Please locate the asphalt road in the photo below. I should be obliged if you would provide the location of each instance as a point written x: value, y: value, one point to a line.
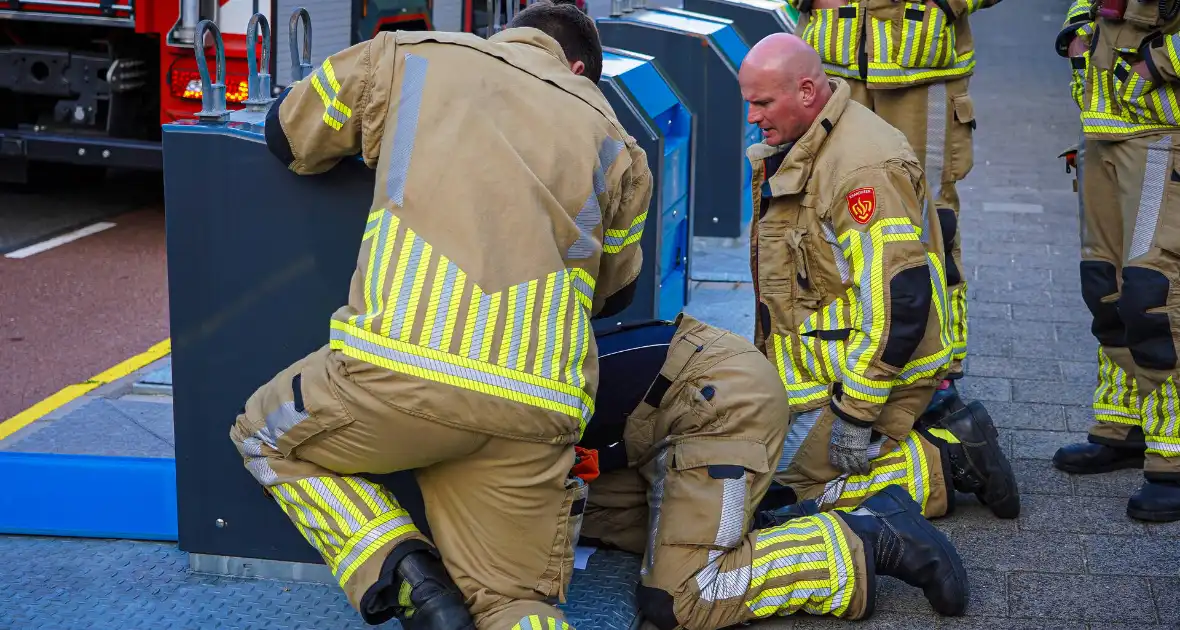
x: 70, y: 312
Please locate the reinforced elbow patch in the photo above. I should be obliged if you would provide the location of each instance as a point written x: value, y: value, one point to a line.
x: 909, y: 304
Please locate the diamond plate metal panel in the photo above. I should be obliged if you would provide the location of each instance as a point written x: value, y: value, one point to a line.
x: 67, y: 583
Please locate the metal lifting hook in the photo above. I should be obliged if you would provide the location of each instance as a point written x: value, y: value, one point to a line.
x: 300, y: 64
x: 258, y: 79
x: 212, y: 94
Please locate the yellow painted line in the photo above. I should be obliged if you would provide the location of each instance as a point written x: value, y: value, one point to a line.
x: 77, y: 390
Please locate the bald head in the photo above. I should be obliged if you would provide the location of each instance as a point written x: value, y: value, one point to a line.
x: 782, y: 78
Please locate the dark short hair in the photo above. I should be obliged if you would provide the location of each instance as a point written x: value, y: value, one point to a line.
x: 574, y: 30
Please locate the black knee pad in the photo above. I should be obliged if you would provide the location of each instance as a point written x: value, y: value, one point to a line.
x: 950, y: 226
x: 1099, y: 279
x: 1149, y: 335
x: 656, y: 605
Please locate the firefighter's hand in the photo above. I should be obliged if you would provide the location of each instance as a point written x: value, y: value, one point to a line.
x: 849, y: 447
x: 819, y: 5
x: 1077, y: 47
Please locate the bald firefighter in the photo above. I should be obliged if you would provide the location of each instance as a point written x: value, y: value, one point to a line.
x: 508, y: 207
x: 1130, y: 269
x: 911, y: 63
x: 852, y: 304
x: 686, y: 445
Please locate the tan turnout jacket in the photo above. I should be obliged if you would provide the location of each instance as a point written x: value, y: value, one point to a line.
x: 508, y: 206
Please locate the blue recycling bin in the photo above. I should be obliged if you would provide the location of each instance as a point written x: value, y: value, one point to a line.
x: 651, y: 110
x: 701, y: 55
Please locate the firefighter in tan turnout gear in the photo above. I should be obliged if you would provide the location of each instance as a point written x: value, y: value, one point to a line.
x: 507, y: 212
x: 686, y: 444
x: 910, y: 63
x: 1130, y: 268
x: 852, y: 304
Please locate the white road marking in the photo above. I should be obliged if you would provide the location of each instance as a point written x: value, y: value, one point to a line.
x: 37, y: 248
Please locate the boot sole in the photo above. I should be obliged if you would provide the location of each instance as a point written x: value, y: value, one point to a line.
x: 1120, y: 464
x: 958, y: 571
x: 1153, y: 516
x: 1000, y: 493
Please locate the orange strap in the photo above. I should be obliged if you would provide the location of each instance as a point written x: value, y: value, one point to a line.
x: 586, y: 466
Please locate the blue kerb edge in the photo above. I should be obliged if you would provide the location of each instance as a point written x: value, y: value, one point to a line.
x: 88, y: 496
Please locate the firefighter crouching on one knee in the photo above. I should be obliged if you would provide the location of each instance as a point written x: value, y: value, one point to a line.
x: 910, y: 62
x: 852, y: 303
x: 695, y: 441
x: 1131, y: 244
x: 461, y: 353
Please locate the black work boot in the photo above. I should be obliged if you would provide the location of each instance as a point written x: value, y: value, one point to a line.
x: 418, y: 592
x: 1155, y: 501
x: 978, y: 465
x: 1102, y: 455
x: 906, y: 546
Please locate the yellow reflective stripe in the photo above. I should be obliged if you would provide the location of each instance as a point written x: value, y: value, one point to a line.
x: 370, y: 538
x: 324, y: 82
x: 539, y: 363
x: 310, y: 520
x: 584, y: 284
x: 563, y: 300
x: 399, y: 273
x: 428, y: 325
x: 464, y: 372
x: 541, y: 622
x: 509, y: 323
x: 614, y: 241
x: 944, y: 435
x: 453, y: 311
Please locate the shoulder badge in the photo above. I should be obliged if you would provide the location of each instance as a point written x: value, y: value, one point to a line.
x: 862, y: 204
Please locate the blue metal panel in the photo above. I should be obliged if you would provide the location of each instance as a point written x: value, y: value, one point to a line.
x: 668, y: 307
x: 88, y: 496
x: 643, y: 81
x: 732, y: 45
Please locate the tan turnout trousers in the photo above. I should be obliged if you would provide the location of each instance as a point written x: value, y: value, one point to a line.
x: 502, y: 511
x: 938, y: 120
x: 700, y: 462
x: 914, y: 463
x: 1130, y: 275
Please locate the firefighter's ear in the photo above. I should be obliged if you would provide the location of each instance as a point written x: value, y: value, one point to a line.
x: 578, y: 68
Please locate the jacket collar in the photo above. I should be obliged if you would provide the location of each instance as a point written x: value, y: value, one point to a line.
x: 792, y: 175
x: 531, y: 37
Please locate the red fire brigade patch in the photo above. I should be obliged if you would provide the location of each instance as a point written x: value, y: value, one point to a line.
x: 862, y: 203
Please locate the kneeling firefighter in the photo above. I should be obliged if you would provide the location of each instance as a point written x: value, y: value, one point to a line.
x: 688, y: 426
x: 852, y: 305
x: 460, y: 355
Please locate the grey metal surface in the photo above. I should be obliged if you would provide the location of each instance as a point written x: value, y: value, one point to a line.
x: 100, y: 426
x: 331, y: 32
x: 67, y: 583
x: 753, y: 19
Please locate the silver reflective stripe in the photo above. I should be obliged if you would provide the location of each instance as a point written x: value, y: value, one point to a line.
x: 801, y: 425
x: 436, y: 366
x: 912, y: 461
x: 558, y: 288
x: 936, y: 124
x: 655, y: 500
x: 369, y: 538
x: 618, y: 241
x: 279, y: 421
x: 319, y: 521
x: 337, y: 507
x: 1155, y: 176
x: 901, y: 73
x: 377, y: 257
x: 478, y: 326
x: 841, y: 263
x: 258, y: 465
x: 408, y: 104
x: 591, y: 213
x: 865, y: 295
x: 714, y: 585
x: 444, y: 304
x: 842, y: 569
x: 331, y: 92
x: 407, y: 288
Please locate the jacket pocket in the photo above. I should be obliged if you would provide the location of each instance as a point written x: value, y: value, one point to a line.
x: 706, y: 492
x: 960, y: 156
x: 834, y: 33
x: 569, y: 529
x: 921, y: 38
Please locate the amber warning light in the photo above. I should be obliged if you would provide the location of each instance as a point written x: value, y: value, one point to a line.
x: 187, y: 84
